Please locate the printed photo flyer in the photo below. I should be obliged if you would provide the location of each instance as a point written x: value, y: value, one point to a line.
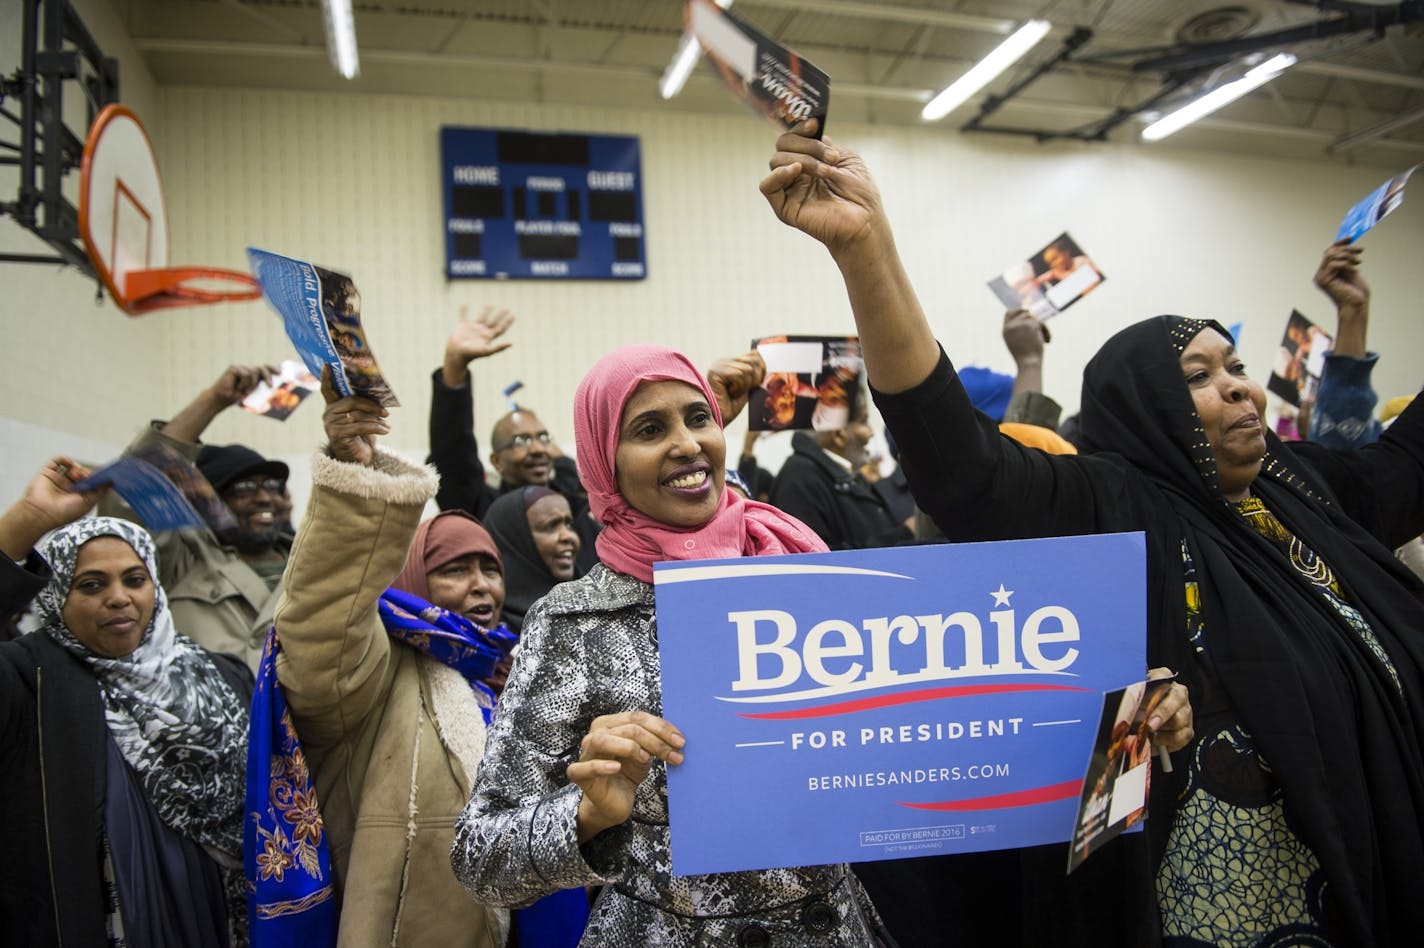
x: 1299, y: 360
x: 768, y: 78
x: 293, y: 383
x: 1049, y: 281
x: 1120, y: 770
x: 164, y: 489
x: 811, y: 382
x: 1376, y: 206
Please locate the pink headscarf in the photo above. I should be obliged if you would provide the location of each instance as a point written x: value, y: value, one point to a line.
x: 447, y: 536
x: 631, y: 541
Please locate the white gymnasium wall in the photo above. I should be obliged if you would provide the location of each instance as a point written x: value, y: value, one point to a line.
x: 75, y: 371
x: 352, y: 182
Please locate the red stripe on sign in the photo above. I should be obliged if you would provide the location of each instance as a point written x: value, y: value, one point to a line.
x: 1057, y: 791
x: 908, y: 697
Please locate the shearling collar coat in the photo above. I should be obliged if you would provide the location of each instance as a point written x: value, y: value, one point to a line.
x: 393, y: 736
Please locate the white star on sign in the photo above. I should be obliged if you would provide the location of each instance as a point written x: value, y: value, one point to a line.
x: 1001, y: 596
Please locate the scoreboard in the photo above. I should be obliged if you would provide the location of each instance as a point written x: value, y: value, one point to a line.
x: 531, y: 205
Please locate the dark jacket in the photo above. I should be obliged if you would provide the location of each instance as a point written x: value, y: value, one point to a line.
x: 979, y: 485
x: 455, y: 452
x: 52, y: 779
x: 840, y: 506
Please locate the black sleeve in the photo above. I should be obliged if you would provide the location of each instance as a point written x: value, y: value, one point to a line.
x: 565, y: 480
x: 19, y: 584
x: 897, y: 535
x: 454, y: 450
x: 747, y: 467
x: 236, y: 673
x: 1381, y: 485
x: 809, y: 499
x: 977, y: 484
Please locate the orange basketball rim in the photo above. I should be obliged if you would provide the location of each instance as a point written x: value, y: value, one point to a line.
x: 123, y: 222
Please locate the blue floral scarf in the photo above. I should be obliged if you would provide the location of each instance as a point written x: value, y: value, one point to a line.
x: 291, y: 899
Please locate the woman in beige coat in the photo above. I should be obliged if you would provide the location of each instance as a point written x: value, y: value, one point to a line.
x: 392, y: 735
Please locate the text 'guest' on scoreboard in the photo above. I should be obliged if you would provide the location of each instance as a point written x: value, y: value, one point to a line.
x: 532, y: 205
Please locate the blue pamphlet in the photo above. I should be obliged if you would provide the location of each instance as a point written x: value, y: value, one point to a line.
x: 883, y: 704
x: 1374, y: 208
x: 321, y: 311
x: 156, y: 501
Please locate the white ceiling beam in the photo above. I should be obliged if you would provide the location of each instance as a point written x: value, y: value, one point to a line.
x: 895, y: 14
x: 266, y: 19
x: 412, y: 58
x: 1336, y: 71
x: 1372, y: 134
x: 224, y: 48
x: 651, y: 73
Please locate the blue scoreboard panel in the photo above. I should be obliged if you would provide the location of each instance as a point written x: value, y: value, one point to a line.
x: 531, y: 205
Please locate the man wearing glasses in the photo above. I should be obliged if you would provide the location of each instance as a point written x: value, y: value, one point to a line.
x: 521, y: 450
x: 222, y: 590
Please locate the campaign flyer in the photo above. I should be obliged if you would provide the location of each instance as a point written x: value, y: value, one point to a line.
x: 191, y: 483
x: 883, y: 704
x: 812, y: 382
x: 1378, y: 205
x: 321, y: 310
x: 293, y: 383
x: 1299, y: 361
x: 164, y: 489
x: 1050, y: 281
x: 770, y: 79
x: 157, y: 500
x: 1120, y: 772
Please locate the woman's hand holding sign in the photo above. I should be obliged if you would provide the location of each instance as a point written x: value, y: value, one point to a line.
x: 614, y: 757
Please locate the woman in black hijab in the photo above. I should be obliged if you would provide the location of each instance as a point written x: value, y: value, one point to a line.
x: 1297, y: 814
x: 534, y: 528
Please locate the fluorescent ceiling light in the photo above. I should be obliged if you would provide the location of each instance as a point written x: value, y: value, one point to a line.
x: 684, y: 61
x: 1218, y: 97
x: 987, y: 69
x: 341, y: 37
x: 681, y: 66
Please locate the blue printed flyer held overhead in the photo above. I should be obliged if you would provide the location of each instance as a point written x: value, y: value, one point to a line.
x: 884, y: 704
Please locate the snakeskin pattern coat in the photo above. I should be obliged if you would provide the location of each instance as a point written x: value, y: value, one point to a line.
x: 590, y: 648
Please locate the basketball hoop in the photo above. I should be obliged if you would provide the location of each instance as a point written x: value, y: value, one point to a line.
x: 123, y: 222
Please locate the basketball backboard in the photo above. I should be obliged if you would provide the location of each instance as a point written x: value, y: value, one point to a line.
x: 123, y: 222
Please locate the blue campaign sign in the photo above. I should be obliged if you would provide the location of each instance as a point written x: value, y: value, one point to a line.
x: 882, y: 704
x: 533, y: 205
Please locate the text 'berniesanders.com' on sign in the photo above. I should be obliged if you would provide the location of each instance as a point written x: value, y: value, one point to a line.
x: 885, y: 704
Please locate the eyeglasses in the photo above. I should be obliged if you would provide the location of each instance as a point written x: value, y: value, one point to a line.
x: 525, y: 440
x: 249, y: 486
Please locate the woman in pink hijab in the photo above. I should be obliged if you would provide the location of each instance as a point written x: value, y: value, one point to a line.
x: 573, y: 787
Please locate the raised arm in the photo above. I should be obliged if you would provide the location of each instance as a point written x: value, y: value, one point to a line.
x: 1339, y: 278
x: 235, y: 384
x: 1025, y: 336
x: 1343, y: 414
x: 454, y: 450
x: 47, y: 504
x: 974, y: 483
x: 335, y: 664
x: 827, y: 192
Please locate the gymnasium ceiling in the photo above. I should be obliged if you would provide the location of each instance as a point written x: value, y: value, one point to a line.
x: 1356, y: 95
